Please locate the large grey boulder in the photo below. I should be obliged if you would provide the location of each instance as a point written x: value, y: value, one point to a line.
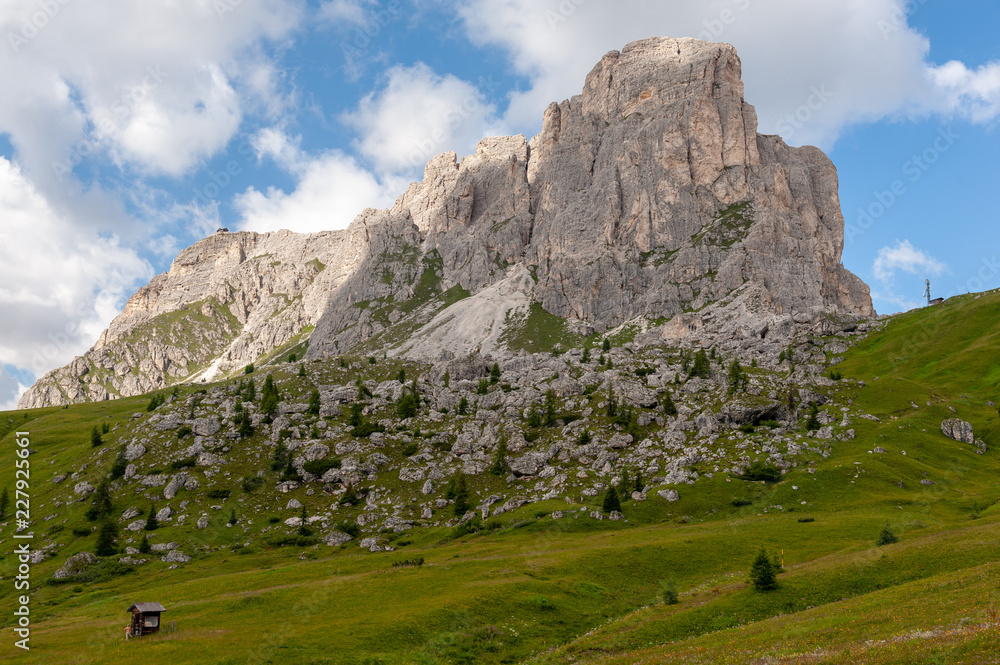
x: 958, y: 430
x: 75, y: 565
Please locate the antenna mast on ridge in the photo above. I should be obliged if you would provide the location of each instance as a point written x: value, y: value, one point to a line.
x: 927, y: 292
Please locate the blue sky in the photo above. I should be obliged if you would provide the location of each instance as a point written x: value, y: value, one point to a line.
x: 130, y: 130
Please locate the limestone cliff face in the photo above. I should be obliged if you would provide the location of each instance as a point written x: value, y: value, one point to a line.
x: 224, y: 303
x: 649, y: 195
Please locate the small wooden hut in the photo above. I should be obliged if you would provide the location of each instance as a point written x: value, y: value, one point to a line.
x: 145, y: 618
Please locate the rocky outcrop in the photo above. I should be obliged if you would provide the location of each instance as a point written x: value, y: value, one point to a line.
x: 647, y: 196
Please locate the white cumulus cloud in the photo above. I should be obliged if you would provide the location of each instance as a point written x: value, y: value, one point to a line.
x: 907, y: 258
x: 60, y: 285
x: 419, y: 114
x: 811, y: 67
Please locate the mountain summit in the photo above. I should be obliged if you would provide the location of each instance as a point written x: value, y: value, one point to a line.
x: 650, y: 200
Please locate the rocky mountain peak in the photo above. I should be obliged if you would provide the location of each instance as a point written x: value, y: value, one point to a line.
x: 649, y: 201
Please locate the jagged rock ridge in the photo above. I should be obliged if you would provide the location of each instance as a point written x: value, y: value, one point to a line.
x: 649, y: 197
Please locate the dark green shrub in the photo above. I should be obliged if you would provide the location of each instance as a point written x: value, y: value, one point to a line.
x: 410, y: 448
x: 886, y: 537
x: 155, y: 402
x: 366, y: 429
x: 81, y: 532
x: 252, y: 483
x: 350, y: 528
x: 669, y: 408
x: 185, y: 463
x: 183, y: 431
x: 95, y: 437
x: 248, y: 369
x: 760, y: 471
x: 144, y: 546
x: 739, y: 503
x: 495, y: 373
x: 218, y: 493
x: 321, y: 466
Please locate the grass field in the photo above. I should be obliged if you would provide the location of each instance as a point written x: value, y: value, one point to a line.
x: 576, y: 590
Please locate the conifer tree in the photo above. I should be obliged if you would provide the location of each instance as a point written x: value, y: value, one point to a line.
x: 461, y: 497
x: 100, y: 503
x: 106, y: 539
x: 611, y: 501
x: 151, y: 523
x: 315, y: 402
x: 763, y: 573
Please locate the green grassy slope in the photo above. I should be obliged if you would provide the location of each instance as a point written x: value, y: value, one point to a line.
x: 579, y: 590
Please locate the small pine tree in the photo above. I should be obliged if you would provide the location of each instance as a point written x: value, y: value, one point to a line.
x: 499, y: 466
x: 144, y: 546
x: 813, y: 423
x: 302, y: 371
x: 886, y: 537
x: 483, y: 387
x: 407, y: 405
x: 550, y: 408
x: 105, y: 428
x: 461, y: 497
x: 781, y: 357
x: 463, y: 406
x: 304, y: 529
x: 611, y: 501
x: 791, y: 400
x: 606, y: 345
x: 245, y: 428
x: 269, y: 398
x: 232, y: 517
x: 350, y: 497
x: 586, y: 355
x: 151, y: 523
x: 292, y: 357
x: 763, y: 573
x: 534, y: 417
x: 495, y: 373
x: 701, y: 367
x: 669, y: 592
x: 354, y: 415
x: 639, y: 485
x: 95, y: 438
x: 315, y: 403
x: 106, y: 539
x: 584, y: 439
x: 4, y: 503
x: 449, y: 491
x: 446, y: 379
x: 250, y: 393
x: 625, y: 486
x: 737, y: 379
x: 600, y: 360
x: 669, y: 408
x: 612, y: 406
x: 100, y: 503
x: 248, y: 369
x: 401, y: 377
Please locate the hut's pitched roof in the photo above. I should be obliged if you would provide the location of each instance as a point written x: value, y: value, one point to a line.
x: 148, y: 607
